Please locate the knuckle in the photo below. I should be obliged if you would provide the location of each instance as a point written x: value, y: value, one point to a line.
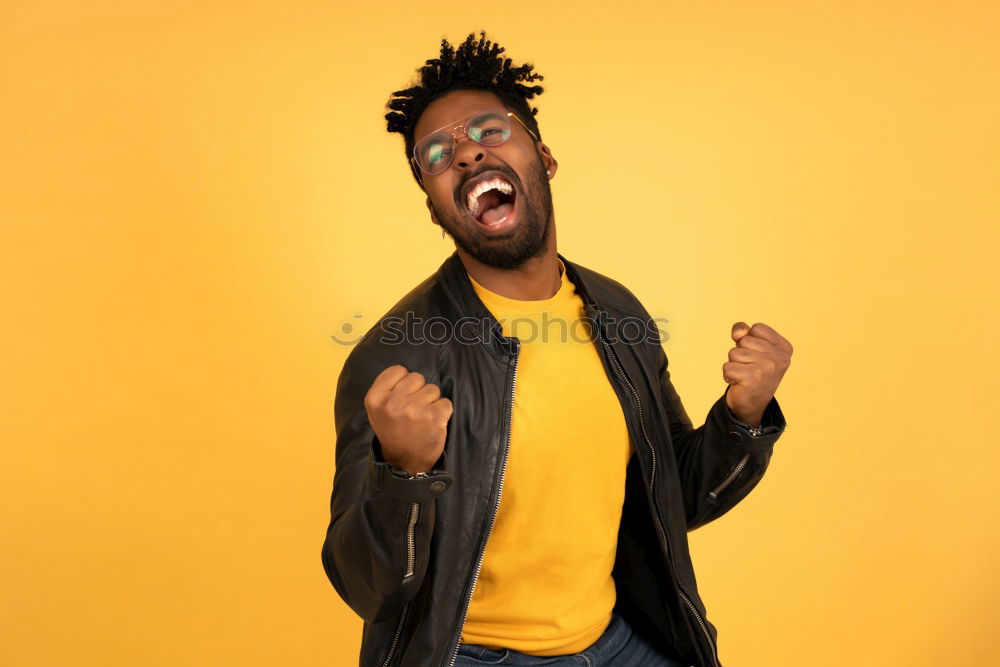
x: 393, y: 406
x: 390, y: 371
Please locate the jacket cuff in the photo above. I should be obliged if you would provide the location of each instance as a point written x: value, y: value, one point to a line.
x: 397, y: 483
x: 772, y: 425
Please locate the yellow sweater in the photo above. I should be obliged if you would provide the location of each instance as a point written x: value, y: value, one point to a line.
x: 545, y: 587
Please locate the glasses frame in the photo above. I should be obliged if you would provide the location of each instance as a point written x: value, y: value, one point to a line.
x: 455, y: 138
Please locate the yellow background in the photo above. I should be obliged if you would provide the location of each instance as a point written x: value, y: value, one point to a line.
x: 195, y: 195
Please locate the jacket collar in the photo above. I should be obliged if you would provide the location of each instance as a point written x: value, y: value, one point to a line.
x: 455, y: 281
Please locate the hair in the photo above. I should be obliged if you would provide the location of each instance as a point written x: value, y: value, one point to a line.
x: 473, y: 66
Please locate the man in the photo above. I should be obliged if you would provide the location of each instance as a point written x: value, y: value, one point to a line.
x: 506, y: 496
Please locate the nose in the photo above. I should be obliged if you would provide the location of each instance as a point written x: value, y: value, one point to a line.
x: 468, y: 152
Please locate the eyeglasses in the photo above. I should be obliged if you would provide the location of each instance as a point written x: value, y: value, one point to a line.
x: 487, y: 127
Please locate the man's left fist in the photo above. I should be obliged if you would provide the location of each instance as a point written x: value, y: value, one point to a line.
x: 754, y: 370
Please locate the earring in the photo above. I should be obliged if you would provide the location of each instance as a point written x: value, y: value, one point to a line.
x: 442, y: 232
x: 548, y: 172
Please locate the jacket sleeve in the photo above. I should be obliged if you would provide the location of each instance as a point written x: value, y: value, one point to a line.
x: 719, y: 462
x: 381, y: 521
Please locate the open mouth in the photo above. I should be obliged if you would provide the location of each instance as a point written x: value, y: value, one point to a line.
x: 492, y: 203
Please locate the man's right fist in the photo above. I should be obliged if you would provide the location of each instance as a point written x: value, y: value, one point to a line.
x: 409, y: 418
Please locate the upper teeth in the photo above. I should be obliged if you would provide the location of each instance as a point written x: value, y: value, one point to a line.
x: 493, y: 184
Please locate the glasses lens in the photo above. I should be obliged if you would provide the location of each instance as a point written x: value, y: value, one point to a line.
x: 490, y: 128
x: 434, y: 152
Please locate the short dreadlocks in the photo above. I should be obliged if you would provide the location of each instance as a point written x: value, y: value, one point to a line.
x: 473, y: 66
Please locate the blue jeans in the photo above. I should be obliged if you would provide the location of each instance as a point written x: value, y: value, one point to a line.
x: 617, y: 647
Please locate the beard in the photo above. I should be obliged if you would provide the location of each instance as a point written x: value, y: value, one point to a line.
x: 528, y: 238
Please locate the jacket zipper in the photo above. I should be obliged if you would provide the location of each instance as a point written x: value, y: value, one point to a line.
x: 395, y: 636
x: 713, y: 495
x: 496, y: 507
x: 410, y: 567
x: 664, y: 539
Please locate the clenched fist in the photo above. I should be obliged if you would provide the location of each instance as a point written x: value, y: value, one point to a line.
x: 409, y: 417
x: 755, y: 367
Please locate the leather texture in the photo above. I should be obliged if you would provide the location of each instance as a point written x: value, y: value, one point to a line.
x: 404, y: 553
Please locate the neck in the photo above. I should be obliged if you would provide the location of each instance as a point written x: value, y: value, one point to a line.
x: 536, y: 279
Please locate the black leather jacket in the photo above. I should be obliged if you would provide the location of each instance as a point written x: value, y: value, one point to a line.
x: 404, y: 553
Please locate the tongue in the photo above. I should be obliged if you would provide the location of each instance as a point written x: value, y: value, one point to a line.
x: 497, y: 213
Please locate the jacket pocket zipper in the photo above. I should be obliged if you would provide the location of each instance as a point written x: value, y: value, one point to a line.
x: 410, y: 547
x: 713, y: 495
x: 410, y: 569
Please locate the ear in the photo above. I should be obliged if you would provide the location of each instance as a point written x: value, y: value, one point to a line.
x: 431, y: 209
x: 548, y: 161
